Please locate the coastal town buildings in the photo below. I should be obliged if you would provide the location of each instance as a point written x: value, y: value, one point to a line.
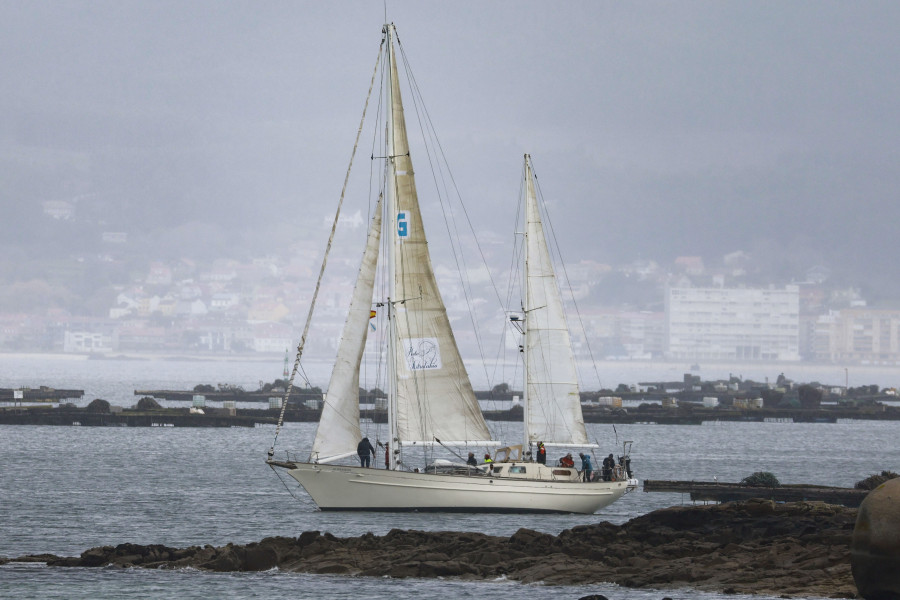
x: 857, y: 335
x: 691, y: 310
x: 713, y: 323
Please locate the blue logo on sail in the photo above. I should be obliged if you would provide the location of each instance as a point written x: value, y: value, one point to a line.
x: 402, y: 224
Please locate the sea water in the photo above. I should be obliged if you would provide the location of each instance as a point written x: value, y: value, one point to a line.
x: 66, y: 489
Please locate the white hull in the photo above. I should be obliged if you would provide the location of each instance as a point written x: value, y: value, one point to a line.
x: 335, y: 487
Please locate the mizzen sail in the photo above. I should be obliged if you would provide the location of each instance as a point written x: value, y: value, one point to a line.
x: 553, y: 400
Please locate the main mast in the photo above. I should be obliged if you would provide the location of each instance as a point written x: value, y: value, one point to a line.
x: 526, y: 306
x: 391, y: 222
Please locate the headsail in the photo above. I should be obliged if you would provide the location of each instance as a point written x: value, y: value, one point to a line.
x: 338, y: 432
x: 553, y: 412
x: 434, y: 397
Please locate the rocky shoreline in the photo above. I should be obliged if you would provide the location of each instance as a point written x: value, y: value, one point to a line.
x: 751, y: 547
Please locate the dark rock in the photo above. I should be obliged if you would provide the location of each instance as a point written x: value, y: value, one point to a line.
x: 754, y: 547
x: 875, y: 544
x: 528, y: 538
x: 259, y: 557
x: 96, y: 557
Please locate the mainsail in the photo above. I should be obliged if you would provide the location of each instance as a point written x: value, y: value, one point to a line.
x: 553, y: 413
x: 338, y: 432
x: 433, y: 394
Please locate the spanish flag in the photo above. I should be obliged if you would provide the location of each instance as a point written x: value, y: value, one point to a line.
x: 371, y: 314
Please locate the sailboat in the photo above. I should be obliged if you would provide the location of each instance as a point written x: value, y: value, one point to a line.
x: 430, y: 399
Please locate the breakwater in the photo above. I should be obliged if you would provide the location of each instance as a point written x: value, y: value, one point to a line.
x: 693, y: 414
x: 729, y: 492
x: 244, y: 417
x: 164, y: 417
x: 297, y: 395
x: 39, y: 394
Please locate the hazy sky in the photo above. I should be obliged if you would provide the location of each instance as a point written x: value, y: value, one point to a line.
x: 657, y: 129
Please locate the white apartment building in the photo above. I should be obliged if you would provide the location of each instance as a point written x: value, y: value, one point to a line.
x: 733, y: 324
x: 857, y: 335
x: 87, y: 341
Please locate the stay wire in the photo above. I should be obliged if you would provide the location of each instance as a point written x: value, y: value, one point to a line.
x: 312, y: 305
x: 439, y: 153
x: 554, y: 417
x: 587, y: 341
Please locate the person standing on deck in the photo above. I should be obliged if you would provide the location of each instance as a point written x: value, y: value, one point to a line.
x: 541, y: 453
x: 586, y: 467
x: 609, y: 463
x: 366, y: 452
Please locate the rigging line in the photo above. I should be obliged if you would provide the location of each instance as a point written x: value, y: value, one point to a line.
x: 406, y: 296
x: 337, y: 214
x: 515, y: 269
x: 291, y: 491
x: 449, y: 449
x: 513, y: 273
x: 332, y: 405
x: 553, y: 419
x: 375, y: 134
x: 416, y: 99
x: 417, y: 95
x: 304, y: 376
x: 377, y: 130
x: 369, y: 234
x: 587, y: 341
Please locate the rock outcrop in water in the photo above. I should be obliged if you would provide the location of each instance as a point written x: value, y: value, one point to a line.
x: 875, y: 545
x: 752, y: 547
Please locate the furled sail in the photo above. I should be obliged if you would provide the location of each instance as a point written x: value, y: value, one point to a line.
x: 433, y: 394
x: 338, y: 432
x: 553, y: 412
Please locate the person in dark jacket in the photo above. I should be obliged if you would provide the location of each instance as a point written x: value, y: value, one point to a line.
x: 541, y: 453
x: 609, y: 463
x: 472, y: 462
x: 366, y: 451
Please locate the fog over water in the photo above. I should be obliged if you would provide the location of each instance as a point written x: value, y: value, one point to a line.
x: 658, y: 130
